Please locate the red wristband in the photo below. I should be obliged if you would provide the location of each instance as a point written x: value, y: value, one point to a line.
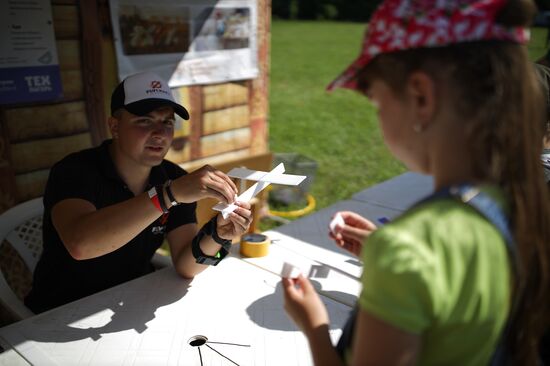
x: 155, y: 198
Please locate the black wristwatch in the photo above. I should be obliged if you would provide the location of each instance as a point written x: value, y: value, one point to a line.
x: 209, y: 229
x: 213, y: 231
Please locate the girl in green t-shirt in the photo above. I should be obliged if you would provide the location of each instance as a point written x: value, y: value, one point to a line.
x: 458, y: 99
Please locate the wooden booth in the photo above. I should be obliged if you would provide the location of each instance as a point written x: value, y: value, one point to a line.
x: 228, y: 120
x: 227, y: 127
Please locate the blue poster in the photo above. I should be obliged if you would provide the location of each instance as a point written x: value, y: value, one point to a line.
x: 30, y: 84
x: 29, y: 68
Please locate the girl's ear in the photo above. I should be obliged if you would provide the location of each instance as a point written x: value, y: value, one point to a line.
x: 421, y: 93
x: 113, y: 126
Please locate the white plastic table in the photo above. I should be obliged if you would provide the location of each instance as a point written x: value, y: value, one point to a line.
x: 399, y: 193
x: 151, y: 321
x: 327, y: 270
x: 314, y: 228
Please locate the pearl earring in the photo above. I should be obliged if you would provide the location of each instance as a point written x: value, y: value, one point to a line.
x: 418, y: 127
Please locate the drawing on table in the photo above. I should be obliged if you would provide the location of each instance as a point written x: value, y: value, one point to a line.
x: 200, y: 340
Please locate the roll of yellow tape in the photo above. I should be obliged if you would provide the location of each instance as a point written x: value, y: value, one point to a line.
x: 255, y: 245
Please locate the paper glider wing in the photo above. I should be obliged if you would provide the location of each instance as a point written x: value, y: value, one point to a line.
x: 276, y: 176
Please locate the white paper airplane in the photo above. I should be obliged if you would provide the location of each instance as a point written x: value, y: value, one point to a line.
x: 276, y: 176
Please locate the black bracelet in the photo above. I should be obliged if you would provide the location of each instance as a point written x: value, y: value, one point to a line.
x: 160, y: 194
x: 171, y: 197
x: 199, y: 255
x: 213, y: 231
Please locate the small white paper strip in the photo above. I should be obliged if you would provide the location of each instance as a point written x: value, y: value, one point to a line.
x: 337, y: 221
x: 247, y: 195
x: 290, y: 270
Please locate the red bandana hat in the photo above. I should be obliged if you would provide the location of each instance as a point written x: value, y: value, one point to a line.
x: 405, y: 24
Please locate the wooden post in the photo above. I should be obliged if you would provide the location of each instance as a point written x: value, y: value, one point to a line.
x: 195, y: 119
x: 258, y: 96
x: 92, y: 70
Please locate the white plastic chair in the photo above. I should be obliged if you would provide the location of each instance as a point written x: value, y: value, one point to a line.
x: 21, y: 227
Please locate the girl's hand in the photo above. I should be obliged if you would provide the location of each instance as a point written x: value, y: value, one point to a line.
x: 303, y: 305
x: 353, y: 233
x: 236, y: 224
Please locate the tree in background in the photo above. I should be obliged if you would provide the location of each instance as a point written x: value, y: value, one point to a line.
x: 355, y: 10
x: 281, y: 9
x: 309, y: 9
x: 345, y: 10
x: 543, y: 4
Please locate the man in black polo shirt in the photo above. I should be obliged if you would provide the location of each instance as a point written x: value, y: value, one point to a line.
x: 108, y: 209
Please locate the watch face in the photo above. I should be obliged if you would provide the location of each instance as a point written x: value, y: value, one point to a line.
x: 208, y: 261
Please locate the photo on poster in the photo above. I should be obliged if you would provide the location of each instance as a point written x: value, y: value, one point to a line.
x: 186, y: 42
x: 148, y: 29
x: 222, y: 29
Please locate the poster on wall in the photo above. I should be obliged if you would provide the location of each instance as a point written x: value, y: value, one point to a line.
x: 186, y: 42
x: 29, y: 69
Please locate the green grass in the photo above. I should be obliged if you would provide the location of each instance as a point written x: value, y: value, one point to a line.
x: 338, y: 130
x: 537, y: 45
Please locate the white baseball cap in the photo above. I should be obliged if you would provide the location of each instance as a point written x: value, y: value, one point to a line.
x: 142, y: 93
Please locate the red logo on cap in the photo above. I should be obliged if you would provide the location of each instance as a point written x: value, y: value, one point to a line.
x: 156, y: 84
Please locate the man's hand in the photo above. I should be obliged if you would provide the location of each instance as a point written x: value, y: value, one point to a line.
x: 202, y: 183
x: 237, y: 223
x: 353, y: 233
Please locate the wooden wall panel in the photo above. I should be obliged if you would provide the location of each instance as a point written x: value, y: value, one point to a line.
x: 66, y: 21
x: 216, y: 160
x: 195, y: 121
x: 46, y: 121
x: 180, y: 155
x: 31, y: 185
x: 225, y: 141
x: 70, y: 63
x: 259, y: 136
x: 68, y: 53
x: 224, y: 95
x: 182, y: 96
x: 225, y: 119
x: 109, y: 71
x: 73, y: 87
x: 42, y: 154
